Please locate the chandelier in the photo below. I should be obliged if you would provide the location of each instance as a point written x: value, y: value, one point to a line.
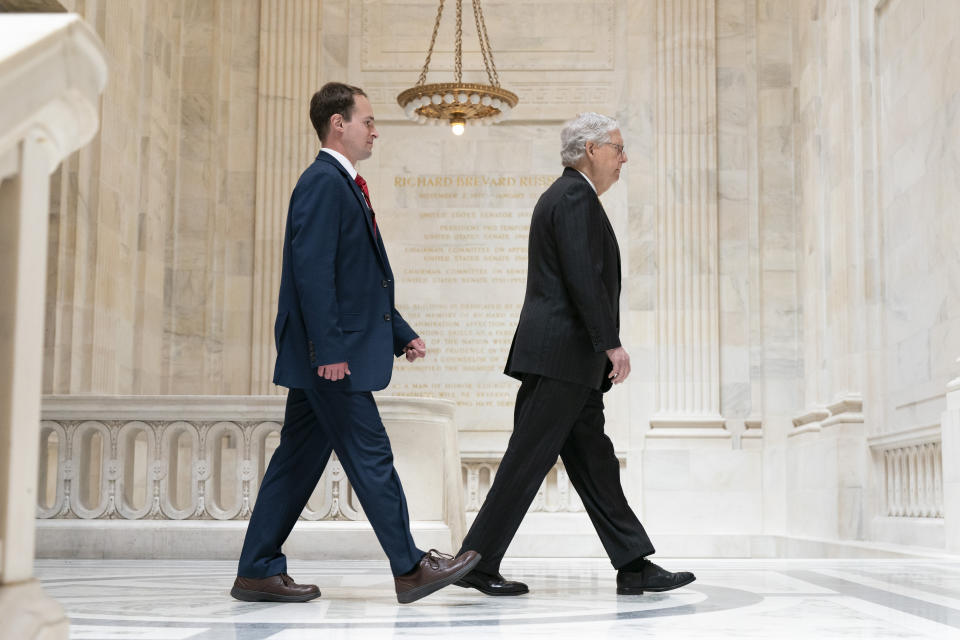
x: 458, y: 102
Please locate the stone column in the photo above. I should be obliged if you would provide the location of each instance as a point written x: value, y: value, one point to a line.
x: 290, y: 59
x: 687, y: 325
x: 40, y: 123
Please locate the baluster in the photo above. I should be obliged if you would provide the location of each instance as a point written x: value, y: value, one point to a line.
x: 901, y: 482
x: 938, y: 479
x: 915, y: 481
x: 918, y: 488
x: 889, y: 470
x: 539, y: 502
x: 473, y: 486
x: 563, y: 490
x: 484, y: 488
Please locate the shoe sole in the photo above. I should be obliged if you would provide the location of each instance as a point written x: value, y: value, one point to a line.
x: 467, y: 585
x: 262, y: 596
x: 638, y: 591
x: 422, y: 591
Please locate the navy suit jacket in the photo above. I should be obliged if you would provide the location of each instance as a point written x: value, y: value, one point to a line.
x: 336, y: 289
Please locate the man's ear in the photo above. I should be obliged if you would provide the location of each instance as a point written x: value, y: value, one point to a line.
x: 336, y: 121
x: 589, y: 148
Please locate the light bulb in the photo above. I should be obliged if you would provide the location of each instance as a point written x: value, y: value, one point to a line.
x: 457, y: 124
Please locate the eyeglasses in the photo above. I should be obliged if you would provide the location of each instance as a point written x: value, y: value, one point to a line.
x: 619, y: 147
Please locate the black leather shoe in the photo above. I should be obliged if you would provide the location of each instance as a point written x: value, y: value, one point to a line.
x: 650, y: 578
x: 492, y: 584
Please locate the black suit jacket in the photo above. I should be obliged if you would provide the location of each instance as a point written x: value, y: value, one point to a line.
x: 570, y: 314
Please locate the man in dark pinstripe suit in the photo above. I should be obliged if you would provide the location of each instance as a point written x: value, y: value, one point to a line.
x: 567, y: 352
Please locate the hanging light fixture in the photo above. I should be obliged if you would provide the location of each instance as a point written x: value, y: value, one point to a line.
x: 458, y: 102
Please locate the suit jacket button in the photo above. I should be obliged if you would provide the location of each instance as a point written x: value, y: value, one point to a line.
x: 386, y: 317
x: 385, y: 283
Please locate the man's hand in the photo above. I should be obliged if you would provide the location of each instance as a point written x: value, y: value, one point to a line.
x: 334, y: 371
x: 621, y: 364
x: 416, y: 348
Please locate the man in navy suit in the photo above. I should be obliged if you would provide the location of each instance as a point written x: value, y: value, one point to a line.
x: 336, y: 332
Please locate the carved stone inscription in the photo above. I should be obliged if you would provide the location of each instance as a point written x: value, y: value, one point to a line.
x: 458, y: 244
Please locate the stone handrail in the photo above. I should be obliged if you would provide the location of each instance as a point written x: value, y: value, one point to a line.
x: 202, y: 458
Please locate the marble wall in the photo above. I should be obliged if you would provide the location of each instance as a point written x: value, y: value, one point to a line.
x: 151, y: 249
x: 875, y: 166
x: 790, y: 294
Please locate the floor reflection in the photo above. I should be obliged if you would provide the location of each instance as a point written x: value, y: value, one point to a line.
x: 576, y: 599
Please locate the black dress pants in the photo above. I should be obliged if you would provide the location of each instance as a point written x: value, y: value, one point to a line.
x: 554, y: 418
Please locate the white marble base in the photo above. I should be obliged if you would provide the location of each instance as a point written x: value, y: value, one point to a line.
x: 541, y: 535
x: 924, y: 532
x: 27, y: 613
x: 217, y: 540
x: 570, y: 598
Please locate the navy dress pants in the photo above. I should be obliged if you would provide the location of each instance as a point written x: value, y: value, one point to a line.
x: 319, y: 421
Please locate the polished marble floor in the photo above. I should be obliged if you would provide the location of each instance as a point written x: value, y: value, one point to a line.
x: 576, y: 599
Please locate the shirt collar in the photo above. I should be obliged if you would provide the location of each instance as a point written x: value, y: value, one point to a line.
x: 589, y: 181
x: 342, y: 159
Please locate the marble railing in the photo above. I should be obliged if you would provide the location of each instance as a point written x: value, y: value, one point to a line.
x: 168, y: 469
x: 913, y: 480
x: 191, y: 457
x: 200, y: 457
x: 556, y: 494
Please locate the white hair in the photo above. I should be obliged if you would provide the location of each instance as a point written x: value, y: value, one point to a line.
x: 586, y: 127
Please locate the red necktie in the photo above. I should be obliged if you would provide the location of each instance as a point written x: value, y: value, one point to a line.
x: 366, y: 194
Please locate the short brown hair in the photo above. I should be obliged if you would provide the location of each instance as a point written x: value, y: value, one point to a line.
x: 333, y: 97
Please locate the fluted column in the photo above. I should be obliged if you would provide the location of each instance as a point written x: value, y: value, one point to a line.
x: 688, y: 371
x: 290, y: 56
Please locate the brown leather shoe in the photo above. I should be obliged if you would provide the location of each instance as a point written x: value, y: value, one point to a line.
x: 278, y: 588
x: 435, y: 571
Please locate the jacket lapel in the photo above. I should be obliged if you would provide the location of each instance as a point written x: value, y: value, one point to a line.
x: 573, y: 173
x: 358, y: 194
x: 576, y: 175
x: 616, y: 248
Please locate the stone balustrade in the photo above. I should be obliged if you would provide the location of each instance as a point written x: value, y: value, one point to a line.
x: 188, y: 458
x: 176, y: 469
x: 556, y: 494
x: 913, y: 481
x: 169, y: 469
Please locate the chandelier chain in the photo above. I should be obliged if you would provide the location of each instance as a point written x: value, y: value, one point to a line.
x: 485, y: 44
x: 433, y: 40
x: 458, y: 55
x: 457, y: 102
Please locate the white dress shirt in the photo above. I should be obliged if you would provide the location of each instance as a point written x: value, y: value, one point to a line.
x: 589, y: 181
x: 342, y: 159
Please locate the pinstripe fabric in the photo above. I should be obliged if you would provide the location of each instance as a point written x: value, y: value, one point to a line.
x: 570, y: 314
